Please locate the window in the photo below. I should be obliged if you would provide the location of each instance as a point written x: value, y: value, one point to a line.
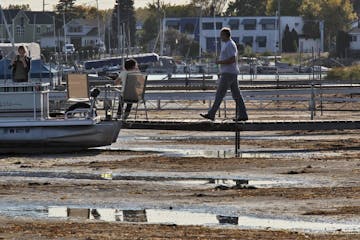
x: 249, y: 24
x: 268, y: 24
x: 261, y: 41
x: 250, y: 27
x: 75, y: 29
x: 248, y: 41
x: 173, y: 24
x: 234, y: 24
x: 210, y: 44
x: 208, y: 26
x: 48, y: 29
x: 268, y: 27
x: 38, y: 29
x: 22, y: 21
x: 189, y: 28
x: 354, y: 38
x: 20, y: 30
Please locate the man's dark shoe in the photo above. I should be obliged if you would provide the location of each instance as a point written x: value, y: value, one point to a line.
x: 243, y: 119
x: 207, y: 116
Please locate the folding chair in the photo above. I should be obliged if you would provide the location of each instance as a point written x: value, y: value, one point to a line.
x: 78, y: 91
x: 134, y: 91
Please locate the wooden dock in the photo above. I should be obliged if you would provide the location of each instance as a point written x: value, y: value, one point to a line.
x: 229, y: 125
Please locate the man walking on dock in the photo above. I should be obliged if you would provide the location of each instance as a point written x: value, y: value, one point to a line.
x: 229, y: 70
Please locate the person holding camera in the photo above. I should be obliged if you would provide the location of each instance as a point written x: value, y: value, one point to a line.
x: 21, y: 66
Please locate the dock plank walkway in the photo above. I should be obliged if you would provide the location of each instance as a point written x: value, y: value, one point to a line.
x: 189, y: 125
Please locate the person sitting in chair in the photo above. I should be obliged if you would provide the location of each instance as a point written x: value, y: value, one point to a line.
x: 131, y: 65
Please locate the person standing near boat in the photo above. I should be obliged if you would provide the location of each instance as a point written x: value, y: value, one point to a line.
x: 21, y: 66
x: 229, y: 71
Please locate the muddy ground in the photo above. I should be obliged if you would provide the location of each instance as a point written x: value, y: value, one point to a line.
x: 293, y: 176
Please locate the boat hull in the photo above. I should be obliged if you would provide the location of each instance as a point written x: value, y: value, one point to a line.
x: 48, y: 137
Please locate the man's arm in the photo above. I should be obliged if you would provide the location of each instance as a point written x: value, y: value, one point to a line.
x: 230, y: 60
x: 122, y: 76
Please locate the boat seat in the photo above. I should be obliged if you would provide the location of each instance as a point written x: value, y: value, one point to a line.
x: 134, y: 90
x: 77, y: 87
x: 78, y: 92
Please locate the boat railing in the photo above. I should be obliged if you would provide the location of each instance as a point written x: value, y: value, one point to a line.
x: 24, y: 101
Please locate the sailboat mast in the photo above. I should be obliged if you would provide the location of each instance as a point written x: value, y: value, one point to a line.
x: 120, y: 29
x: 98, y: 20
x: 7, y: 29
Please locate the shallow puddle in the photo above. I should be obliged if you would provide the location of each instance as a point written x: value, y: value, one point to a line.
x: 206, y: 181
x: 206, y: 153
x: 180, y: 217
x: 227, y: 153
x: 115, y: 176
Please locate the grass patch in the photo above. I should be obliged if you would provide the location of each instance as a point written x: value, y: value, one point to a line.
x: 344, y: 73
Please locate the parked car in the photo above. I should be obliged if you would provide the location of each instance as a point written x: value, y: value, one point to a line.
x: 101, y: 47
x: 316, y: 69
x: 69, y: 48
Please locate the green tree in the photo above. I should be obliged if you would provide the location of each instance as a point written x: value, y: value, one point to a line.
x: 142, y: 14
x: 172, y: 37
x: 248, y: 51
x: 127, y: 19
x: 25, y: 7
x: 150, y: 31
x: 187, y: 47
x: 188, y: 10
x: 287, y: 7
x: 356, y: 6
x: 246, y: 8
x: 153, y: 13
x: 286, y: 39
x: 311, y: 29
x: 335, y: 13
x: 290, y: 41
x: 211, y: 6
x: 294, y: 41
x: 66, y: 7
x: 342, y: 44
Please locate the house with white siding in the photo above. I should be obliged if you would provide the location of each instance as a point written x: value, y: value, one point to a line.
x: 261, y: 33
x: 80, y: 32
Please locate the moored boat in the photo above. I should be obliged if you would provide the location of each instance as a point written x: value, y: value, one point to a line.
x: 25, y: 125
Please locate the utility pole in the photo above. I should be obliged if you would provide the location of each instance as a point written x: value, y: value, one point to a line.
x: 118, y: 25
x: 44, y: 4
x: 162, y: 39
x: 54, y: 34
x: 215, y: 33
x: 65, y: 30
x: 11, y: 36
x: 279, y: 26
x: 98, y: 20
x: 200, y: 31
x: 161, y: 29
x: 120, y: 35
